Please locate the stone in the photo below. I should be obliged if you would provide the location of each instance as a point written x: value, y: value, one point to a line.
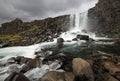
x: 16, y: 77
x: 57, y: 76
x: 82, y: 69
x: 32, y: 63
x: 111, y: 67
x: 21, y: 59
x: 117, y: 75
x: 60, y: 42
x: 75, y: 39
x: 83, y: 37
x: 108, y: 77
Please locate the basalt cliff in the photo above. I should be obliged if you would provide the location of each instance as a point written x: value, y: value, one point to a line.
x: 104, y: 18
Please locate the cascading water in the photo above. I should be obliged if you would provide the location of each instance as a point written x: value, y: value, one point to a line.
x: 80, y: 22
x: 79, y: 26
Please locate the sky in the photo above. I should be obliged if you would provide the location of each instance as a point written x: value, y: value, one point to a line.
x: 29, y: 10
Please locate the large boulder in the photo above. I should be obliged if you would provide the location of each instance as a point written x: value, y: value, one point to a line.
x: 57, y: 76
x: 82, y: 69
x: 16, y: 77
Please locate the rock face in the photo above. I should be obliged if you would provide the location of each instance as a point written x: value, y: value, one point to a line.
x: 18, y: 32
x: 104, y: 18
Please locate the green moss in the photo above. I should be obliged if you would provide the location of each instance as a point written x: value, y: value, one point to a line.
x: 11, y: 38
x: 32, y: 28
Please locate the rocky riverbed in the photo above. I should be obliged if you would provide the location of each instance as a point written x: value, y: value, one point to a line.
x: 79, y: 61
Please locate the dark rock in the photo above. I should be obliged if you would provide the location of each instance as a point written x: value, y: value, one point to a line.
x: 32, y: 63
x: 21, y: 59
x: 60, y: 42
x: 16, y: 77
x: 117, y: 75
x: 75, y: 39
x: 83, y: 37
x: 4, y: 45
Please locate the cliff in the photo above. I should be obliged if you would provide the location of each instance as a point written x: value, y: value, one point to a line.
x: 18, y: 32
x: 104, y: 18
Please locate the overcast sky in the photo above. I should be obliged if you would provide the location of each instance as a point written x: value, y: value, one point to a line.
x: 29, y: 10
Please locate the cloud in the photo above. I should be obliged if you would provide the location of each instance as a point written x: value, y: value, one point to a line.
x: 36, y: 9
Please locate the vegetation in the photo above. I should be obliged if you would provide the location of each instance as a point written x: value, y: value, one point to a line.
x: 11, y: 38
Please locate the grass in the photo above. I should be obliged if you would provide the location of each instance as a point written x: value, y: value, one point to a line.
x: 11, y: 38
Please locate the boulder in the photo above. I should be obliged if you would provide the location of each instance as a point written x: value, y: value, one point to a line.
x: 57, y: 76
x: 83, y: 37
x: 33, y: 63
x: 16, y: 77
x: 117, y: 75
x: 75, y: 39
x: 108, y: 77
x: 82, y: 69
x: 21, y: 59
x: 60, y: 42
x: 69, y: 76
x: 111, y: 67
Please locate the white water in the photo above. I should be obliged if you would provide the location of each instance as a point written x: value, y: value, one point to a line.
x: 78, y: 26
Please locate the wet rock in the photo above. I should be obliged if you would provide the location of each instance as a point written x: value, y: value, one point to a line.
x: 13, y: 68
x: 32, y: 63
x: 111, y: 67
x: 82, y: 68
x: 43, y: 53
x: 83, y: 37
x: 57, y: 76
x: 4, y: 45
x: 16, y: 77
x: 11, y: 60
x: 21, y: 59
x: 75, y: 39
x: 60, y: 42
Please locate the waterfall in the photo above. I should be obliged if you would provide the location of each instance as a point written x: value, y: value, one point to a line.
x: 77, y: 20
x: 80, y: 22
x: 78, y: 26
